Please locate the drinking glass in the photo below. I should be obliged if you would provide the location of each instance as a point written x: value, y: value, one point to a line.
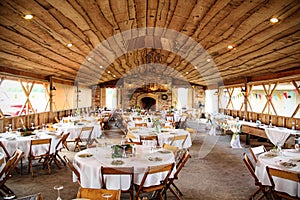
x: 106, y: 195
x: 58, y: 188
x: 297, y: 147
x: 9, y: 127
x: 124, y: 152
x: 6, y: 129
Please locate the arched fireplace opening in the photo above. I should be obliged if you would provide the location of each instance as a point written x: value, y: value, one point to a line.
x: 148, y: 103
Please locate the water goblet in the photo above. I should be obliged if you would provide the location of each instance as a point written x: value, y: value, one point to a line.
x: 9, y: 127
x: 106, y: 195
x: 58, y: 188
x: 6, y: 128
x: 297, y: 147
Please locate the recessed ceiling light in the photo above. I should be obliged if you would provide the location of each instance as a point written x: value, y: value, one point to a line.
x: 186, y: 72
x: 208, y: 60
x: 70, y: 44
x: 230, y: 47
x: 274, y: 20
x: 114, y: 75
x: 28, y: 16
x: 101, y: 66
x: 196, y: 67
x: 89, y: 58
x: 108, y: 72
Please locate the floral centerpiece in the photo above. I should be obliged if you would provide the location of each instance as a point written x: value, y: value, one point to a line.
x: 156, y: 124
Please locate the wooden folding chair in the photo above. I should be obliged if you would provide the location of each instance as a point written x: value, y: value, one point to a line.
x: 74, y: 170
x: 140, y: 124
x: 177, y: 139
x: 261, y: 188
x: 4, y: 149
x: 149, y: 137
x: 37, y: 196
x: 118, y: 171
x: 157, y: 189
x: 292, y: 176
x: 174, y: 149
x: 98, y: 194
x: 179, y: 167
x: 6, y: 173
x: 59, y: 146
x: 80, y: 139
x: 43, y: 157
x: 256, y: 151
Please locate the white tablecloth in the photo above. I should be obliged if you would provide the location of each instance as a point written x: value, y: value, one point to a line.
x: 90, y: 167
x: 74, y: 130
x: 290, y: 187
x: 12, y: 141
x: 278, y: 136
x: 163, y: 137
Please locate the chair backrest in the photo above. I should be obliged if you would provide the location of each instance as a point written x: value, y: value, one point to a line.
x: 250, y: 167
x: 118, y: 171
x: 292, y: 176
x: 10, y: 165
x: 97, y: 194
x: 140, y: 124
x: 256, y: 151
x: 39, y: 142
x: 56, y: 120
x: 179, y: 138
x: 74, y: 170
x: 149, y: 137
x: 154, y: 170
x: 87, y: 131
x: 190, y: 130
x: 174, y: 149
x: 170, y: 118
x: 4, y: 149
x: 133, y: 142
x: 186, y: 156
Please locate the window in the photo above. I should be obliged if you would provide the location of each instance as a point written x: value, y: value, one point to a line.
x: 13, y: 98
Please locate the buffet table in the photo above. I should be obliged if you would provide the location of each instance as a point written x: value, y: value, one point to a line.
x: 288, y: 161
x: 88, y: 162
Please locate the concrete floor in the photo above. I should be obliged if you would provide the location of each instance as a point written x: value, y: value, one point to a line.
x: 215, y: 171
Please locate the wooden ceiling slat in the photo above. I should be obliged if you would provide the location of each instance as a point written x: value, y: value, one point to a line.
x: 92, y: 27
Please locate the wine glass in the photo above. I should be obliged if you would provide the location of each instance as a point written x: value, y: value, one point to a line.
x: 58, y: 188
x: 107, y: 195
x: 124, y: 152
x: 6, y: 128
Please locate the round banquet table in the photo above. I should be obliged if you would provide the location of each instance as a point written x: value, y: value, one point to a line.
x: 164, y: 137
x: 90, y: 167
x: 74, y: 130
x: 274, y: 160
x: 13, y: 140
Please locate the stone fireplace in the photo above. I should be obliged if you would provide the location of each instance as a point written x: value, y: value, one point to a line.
x: 147, y: 101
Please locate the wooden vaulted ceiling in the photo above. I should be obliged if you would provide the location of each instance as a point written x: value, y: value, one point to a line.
x: 111, y: 39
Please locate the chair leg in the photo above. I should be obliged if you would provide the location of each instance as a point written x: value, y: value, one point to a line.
x: 53, y: 158
x: 62, y: 160
x: 177, y: 189
x: 175, y: 193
